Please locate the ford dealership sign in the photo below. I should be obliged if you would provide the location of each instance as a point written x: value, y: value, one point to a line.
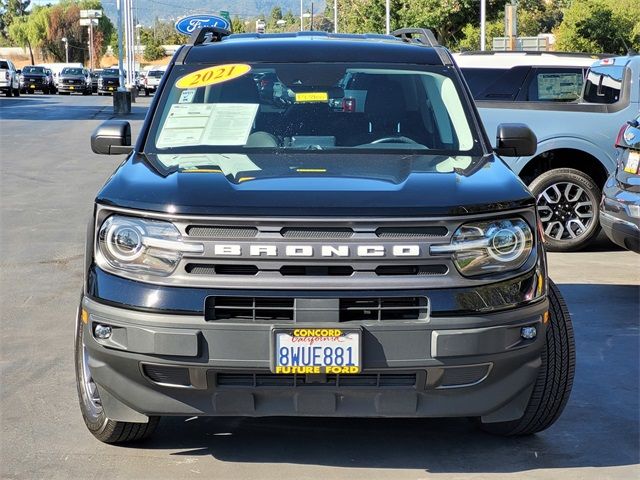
x: 190, y: 24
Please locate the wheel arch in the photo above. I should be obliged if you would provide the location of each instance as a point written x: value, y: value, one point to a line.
x: 577, y: 154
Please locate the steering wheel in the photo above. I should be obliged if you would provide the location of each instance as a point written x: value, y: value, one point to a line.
x: 399, y: 139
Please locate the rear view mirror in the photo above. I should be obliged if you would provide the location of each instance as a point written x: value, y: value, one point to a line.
x: 515, y: 140
x: 113, y: 137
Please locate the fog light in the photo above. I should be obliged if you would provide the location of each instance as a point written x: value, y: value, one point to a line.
x: 103, y: 332
x: 528, y: 333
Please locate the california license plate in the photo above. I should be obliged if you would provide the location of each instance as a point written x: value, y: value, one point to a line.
x: 32, y: 86
x: 316, y: 351
x: 110, y: 88
x: 71, y: 88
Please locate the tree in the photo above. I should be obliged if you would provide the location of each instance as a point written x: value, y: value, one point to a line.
x: 609, y: 26
x: 237, y: 25
x: 30, y: 31
x: 9, y: 11
x: 153, y: 51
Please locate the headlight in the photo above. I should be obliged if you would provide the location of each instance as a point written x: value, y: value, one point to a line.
x: 141, y: 246
x: 489, y: 247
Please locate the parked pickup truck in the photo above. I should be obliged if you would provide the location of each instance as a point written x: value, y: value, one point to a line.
x: 575, y: 146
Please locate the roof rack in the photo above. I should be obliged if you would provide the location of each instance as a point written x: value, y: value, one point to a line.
x: 534, y: 53
x: 208, y: 35
x: 422, y: 36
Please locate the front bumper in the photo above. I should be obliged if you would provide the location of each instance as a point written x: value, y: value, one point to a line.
x: 169, y: 364
x: 73, y: 88
x: 619, y: 215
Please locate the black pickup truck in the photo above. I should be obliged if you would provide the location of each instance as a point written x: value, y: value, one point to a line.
x: 340, y: 252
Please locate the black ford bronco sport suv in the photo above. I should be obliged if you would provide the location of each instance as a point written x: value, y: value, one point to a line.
x: 343, y: 244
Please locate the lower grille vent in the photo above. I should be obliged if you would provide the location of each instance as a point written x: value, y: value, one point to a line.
x: 348, y: 309
x: 250, y: 308
x: 383, y: 308
x: 370, y: 380
x: 463, y: 376
x: 167, y: 375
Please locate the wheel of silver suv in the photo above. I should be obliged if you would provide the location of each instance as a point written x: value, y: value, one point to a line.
x: 568, y: 207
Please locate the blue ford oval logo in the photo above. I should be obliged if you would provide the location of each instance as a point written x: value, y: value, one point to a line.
x: 190, y: 24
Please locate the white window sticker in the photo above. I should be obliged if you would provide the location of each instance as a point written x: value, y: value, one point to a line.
x: 187, y: 95
x: 207, y: 124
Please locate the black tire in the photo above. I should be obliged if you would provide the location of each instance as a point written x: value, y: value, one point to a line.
x: 8, y: 92
x: 16, y: 92
x: 568, y: 222
x: 103, y: 428
x: 146, y: 92
x: 555, y: 378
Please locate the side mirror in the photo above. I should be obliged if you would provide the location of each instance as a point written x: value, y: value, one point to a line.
x: 113, y: 137
x: 515, y: 140
x: 18, y: 72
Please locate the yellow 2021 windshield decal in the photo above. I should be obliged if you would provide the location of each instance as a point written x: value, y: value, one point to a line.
x: 213, y: 75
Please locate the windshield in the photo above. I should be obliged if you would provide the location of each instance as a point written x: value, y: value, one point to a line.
x: 33, y: 70
x: 72, y: 71
x: 110, y: 72
x: 156, y: 73
x: 305, y: 108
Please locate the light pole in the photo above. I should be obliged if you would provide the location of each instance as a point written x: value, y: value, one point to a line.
x: 301, y: 17
x: 388, y: 17
x: 335, y: 16
x: 483, y: 17
x: 66, y: 49
x: 138, y: 27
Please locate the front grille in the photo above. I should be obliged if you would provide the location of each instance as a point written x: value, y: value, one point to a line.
x: 412, y: 270
x: 221, y: 232
x: 220, y: 269
x: 411, y: 232
x: 318, y: 233
x: 367, y: 380
x: 316, y: 271
x: 289, y: 309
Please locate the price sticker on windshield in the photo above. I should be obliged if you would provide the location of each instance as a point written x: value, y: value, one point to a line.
x: 213, y: 75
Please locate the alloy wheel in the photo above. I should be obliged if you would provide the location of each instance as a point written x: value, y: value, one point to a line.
x: 566, y: 211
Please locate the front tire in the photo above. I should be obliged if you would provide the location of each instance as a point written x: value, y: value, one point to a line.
x: 102, y: 427
x: 555, y: 377
x: 568, y: 202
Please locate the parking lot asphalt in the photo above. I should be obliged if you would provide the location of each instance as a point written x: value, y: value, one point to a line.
x: 48, y: 179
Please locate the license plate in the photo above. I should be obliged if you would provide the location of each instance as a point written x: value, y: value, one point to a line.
x: 316, y: 351
x: 110, y: 88
x: 631, y: 165
x: 71, y: 88
x: 32, y: 86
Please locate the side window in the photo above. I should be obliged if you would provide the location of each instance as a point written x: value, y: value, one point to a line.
x: 498, y: 84
x: 554, y: 85
x: 603, y: 84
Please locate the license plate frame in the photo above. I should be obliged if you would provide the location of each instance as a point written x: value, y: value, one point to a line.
x: 351, y: 337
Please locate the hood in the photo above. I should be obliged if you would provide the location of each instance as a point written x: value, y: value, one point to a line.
x: 386, y: 185
x: 69, y: 75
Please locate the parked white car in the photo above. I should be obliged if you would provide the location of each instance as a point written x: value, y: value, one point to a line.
x: 9, y: 78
